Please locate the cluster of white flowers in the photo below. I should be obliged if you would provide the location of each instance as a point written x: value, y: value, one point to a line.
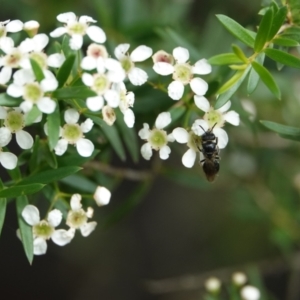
x: 77, y: 218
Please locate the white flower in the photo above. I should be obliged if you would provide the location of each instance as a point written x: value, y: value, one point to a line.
x: 102, y: 195
x: 200, y: 126
x: 14, y: 121
x: 126, y: 102
x: 72, y: 133
x: 136, y: 75
x: 8, y: 160
x: 77, y: 28
x: 10, y: 26
x: 182, y: 136
x: 45, y: 229
x: 33, y: 92
x: 78, y: 218
x: 217, y: 117
x: 183, y: 73
x: 249, y: 292
x: 157, y: 138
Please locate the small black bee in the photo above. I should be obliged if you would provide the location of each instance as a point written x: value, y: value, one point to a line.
x: 210, y: 151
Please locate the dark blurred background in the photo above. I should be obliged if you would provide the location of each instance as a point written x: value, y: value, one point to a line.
x: 163, y: 242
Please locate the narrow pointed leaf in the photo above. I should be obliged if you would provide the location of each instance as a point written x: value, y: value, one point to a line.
x: 53, y: 126
x: 282, y: 129
x: 224, y: 98
x: 77, y: 92
x: 267, y: 78
x: 33, y: 161
x: 278, y: 20
x: 237, y: 30
x: 231, y: 82
x: 37, y: 70
x: 224, y: 59
x: 239, y: 53
x: 263, y: 30
x: 19, y: 190
x: 33, y: 114
x: 65, y: 70
x: 25, y: 229
x: 283, y: 58
x: 176, y: 113
x: 70, y: 159
x: 286, y: 42
x: 6, y: 100
x: 253, y: 76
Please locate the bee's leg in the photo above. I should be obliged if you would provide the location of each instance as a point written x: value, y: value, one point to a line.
x: 203, y: 160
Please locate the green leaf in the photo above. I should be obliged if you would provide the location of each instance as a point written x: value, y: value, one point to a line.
x: 286, y: 42
x: 65, y: 70
x: 25, y: 229
x: 176, y: 113
x: 224, y: 98
x: 49, y: 156
x: 237, y: 30
x: 283, y: 57
x: 50, y: 175
x: 231, y: 82
x: 112, y: 135
x: 3, y: 203
x: 33, y: 114
x: 70, y: 159
x: 80, y: 182
x: 53, y: 126
x: 33, y: 161
x: 224, y: 59
x: 37, y: 70
x: 129, y: 137
x: 277, y: 22
x: 267, y: 78
x: 282, y: 129
x: 78, y: 92
x: 253, y: 76
x: 263, y: 31
x: 239, y: 53
x: 6, y: 100
x: 66, y: 46
x: 19, y: 190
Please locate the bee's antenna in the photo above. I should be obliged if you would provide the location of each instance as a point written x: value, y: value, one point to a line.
x: 212, y: 127
x: 203, y: 128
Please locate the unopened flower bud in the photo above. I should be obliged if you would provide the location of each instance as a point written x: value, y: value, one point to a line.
x: 102, y: 195
x: 163, y: 56
x: 239, y: 278
x: 250, y: 293
x: 213, y: 285
x: 31, y: 27
x: 109, y: 115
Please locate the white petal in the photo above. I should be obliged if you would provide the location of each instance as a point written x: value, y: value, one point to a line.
x: 90, y: 212
x: 87, y: 79
x: 144, y: 132
x: 3, y: 113
x: 61, y: 147
x: 66, y: 17
x: 164, y: 152
x: 112, y: 97
x: 87, y: 125
x: 58, y: 32
x: 62, y: 237
x: 31, y: 215
x: 76, y: 42
x: 181, y: 54
x: 87, y: 228
x: 137, y: 76
x: 75, y: 202
x: 141, y: 53
x: 129, y: 117
x: 71, y: 116
x: 199, y: 86
x: 188, y: 158
x: 202, y: 103
x: 14, y: 90
x: 40, y: 41
x: 85, y: 147
x: 88, y: 63
x: 170, y: 137
x: 249, y: 292
x: 24, y: 139
x: 232, y: 117
x: 121, y: 50
x: 163, y: 68
x: 8, y: 160
x: 225, y: 107
x: 163, y: 120
x: 199, y: 127
x: 26, y: 106
x: 95, y: 103
x: 201, y: 67
x: 96, y: 34
x: 181, y: 135
x: 5, y: 136
x: 175, y: 90
x: 23, y: 76
x: 49, y: 84
x: 146, y: 151
x: 5, y: 75
x: 112, y: 64
x: 116, y: 76
x: 55, y: 60
x: 102, y: 195
x: 54, y: 217
x: 86, y: 19
x: 222, y: 136
x: 39, y: 246
x: 14, y: 26
x: 46, y: 105
x: 27, y: 45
